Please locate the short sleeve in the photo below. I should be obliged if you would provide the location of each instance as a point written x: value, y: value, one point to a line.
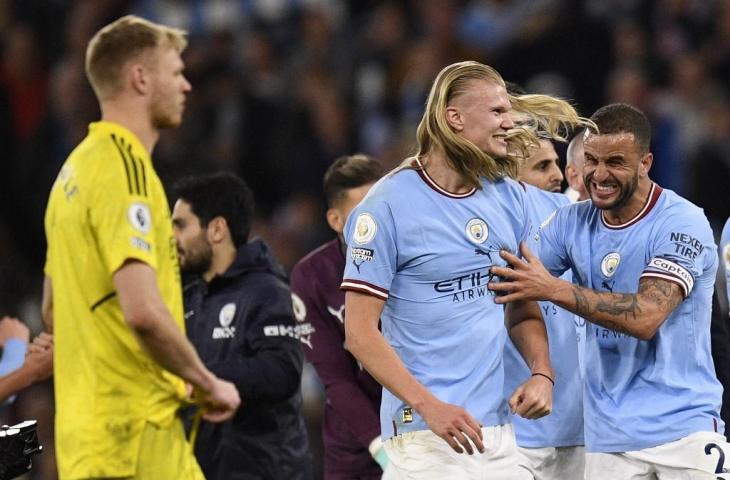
x: 123, y: 223
x: 371, y: 259
x: 526, y: 224
x: 680, y: 249
x: 550, y: 240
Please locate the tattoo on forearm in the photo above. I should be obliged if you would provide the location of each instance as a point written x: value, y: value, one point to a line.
x: 614, y: 304
x: 665, y: 295
x: 581, y: 302
x: 624, y: 304
x: 624, y: 307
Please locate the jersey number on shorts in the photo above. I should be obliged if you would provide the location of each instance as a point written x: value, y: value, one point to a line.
x: 720, y: 468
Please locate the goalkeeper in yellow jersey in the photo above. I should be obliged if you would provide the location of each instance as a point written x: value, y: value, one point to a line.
x: 112, y: 293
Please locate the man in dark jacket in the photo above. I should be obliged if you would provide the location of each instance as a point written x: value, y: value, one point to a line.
x: 239, y: 316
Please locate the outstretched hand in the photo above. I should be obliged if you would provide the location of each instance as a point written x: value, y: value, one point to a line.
x: 527, y: 279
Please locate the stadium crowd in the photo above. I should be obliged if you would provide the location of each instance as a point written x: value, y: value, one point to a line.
x: 280, y: 89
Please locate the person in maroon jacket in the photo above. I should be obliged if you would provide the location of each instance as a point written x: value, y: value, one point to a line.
x: 351, y: 430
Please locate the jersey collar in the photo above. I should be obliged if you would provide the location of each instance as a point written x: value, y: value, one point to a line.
x: 435, y: 186
x: 651, y: 200
x: 103, y: 127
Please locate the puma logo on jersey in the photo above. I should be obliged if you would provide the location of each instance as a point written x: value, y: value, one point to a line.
x: 338, y: 314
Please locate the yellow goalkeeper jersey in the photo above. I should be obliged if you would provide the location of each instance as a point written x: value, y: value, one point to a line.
x: 106, y: 206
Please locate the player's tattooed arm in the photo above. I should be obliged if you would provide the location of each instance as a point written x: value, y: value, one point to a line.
x: 637, y: 314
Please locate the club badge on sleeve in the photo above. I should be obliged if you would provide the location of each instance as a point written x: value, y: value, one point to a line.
x: 365, y: 229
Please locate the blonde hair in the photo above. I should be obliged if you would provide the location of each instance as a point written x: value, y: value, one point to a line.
x: 124, y: 39
x: 535, y: 116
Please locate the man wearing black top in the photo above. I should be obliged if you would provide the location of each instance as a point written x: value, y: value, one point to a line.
x: 351, y: 428
x: 239, y: 316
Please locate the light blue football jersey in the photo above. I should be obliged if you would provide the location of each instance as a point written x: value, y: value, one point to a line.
x: 725, y: 252
x: 428, y: 253
x: 640, y: 394
x: 564, y: 426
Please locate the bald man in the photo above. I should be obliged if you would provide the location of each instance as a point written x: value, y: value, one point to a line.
x: 576, y: 190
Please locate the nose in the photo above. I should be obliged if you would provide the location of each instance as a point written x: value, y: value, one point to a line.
x: 507, y: 121
x: 600, y: 173
x: 556, y: 174
x: 186, y: 85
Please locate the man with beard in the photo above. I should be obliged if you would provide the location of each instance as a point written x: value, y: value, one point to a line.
x: 645, y: 262
x: 239, y: 316
x: 112, y: 293
x: 551, y: 447
x: 540, y: 168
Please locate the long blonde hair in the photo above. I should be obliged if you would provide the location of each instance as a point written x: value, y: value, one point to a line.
x: 533, y: 114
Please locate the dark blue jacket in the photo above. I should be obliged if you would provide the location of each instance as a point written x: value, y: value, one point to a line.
x: 243, y: 327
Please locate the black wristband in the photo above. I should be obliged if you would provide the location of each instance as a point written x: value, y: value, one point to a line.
x: 543, y: 375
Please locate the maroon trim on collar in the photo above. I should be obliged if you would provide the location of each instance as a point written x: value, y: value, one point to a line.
x: 654, y: 194
x: 435, y: 186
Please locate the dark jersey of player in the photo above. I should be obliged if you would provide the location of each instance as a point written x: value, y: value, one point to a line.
x: 351, y: 418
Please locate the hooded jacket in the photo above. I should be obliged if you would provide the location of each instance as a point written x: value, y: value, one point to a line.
x: 243, y: 327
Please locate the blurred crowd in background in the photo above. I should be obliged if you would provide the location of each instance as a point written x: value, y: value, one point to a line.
x: 283, y: 87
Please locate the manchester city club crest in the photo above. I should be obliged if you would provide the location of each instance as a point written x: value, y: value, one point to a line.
x: 226, y: 314
x: 609, y: 264
x: 225, y: 317
x: 477, y: 230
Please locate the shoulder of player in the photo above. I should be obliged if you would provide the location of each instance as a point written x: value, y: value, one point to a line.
x: 316, y: 260
x: 119, y: 159
x: 675, y: 209
x: 259, y: 288
x: 391, y: 185
x: 679, y: 218
x: 99, y: 159
x: 578, y: 213
x: 671, y: 201
x: 543, y: 197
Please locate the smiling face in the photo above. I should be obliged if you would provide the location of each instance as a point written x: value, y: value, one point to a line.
x: 482, y: 115
x: 541, y: 169
x: 615, y: 169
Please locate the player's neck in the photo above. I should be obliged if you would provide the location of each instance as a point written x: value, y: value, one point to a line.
x: 134, y: 118
x: 443, y: 174
x: 223, y: 258
x: 632, y: 208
